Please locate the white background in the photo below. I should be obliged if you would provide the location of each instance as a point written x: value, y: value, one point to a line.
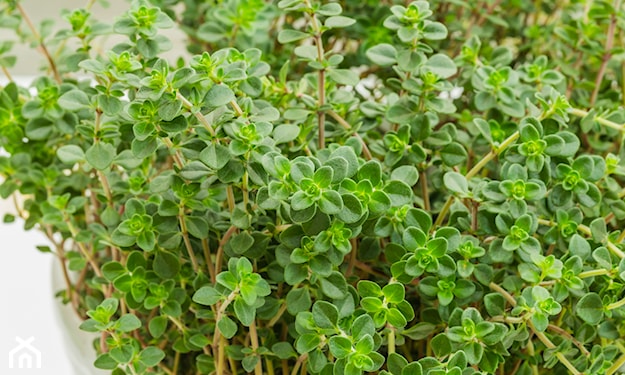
x: 27, y: 306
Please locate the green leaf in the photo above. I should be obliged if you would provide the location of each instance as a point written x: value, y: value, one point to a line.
x: 105, y: 362
x: 215, y: 156
x: 399, y: 193
x: 453, y: 154
x: 127, y: 323
x: 244, y: 312
x: 207, y: 296
x: 285, y: 133
x: 590, y: 308
x: 344, y: 76
x: 339, y: 22
x: 382, y: 54
x: 307, y: 342
x: 456, y: 183
x: 474, y: 352
x: 158, y: 326
x: 70, y: 154
x: 406, y: 173
x: 334, y: 286
x: 166, y: 265
x: 394, y: 293
x: 227, y: 327
x: 283, y: 350
x: 325, y: 314
x: 100, y: 155
x: 74, y: 100
x: 219, y: 95
x: 298, y: 300
x: 441, y: 345
x: 197, y: 226
x: 441, y: 65
x: 579, y: 246
x: 331, y: 202
x: 290, y: 36
x: 151, y: 356
x: 598, y: 229
x: 434, y: 31
x: 396, y: 318
x: 308, y: 52
x: 340, y: 347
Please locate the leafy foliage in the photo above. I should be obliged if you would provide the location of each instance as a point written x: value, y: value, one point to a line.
x: 331, y: 187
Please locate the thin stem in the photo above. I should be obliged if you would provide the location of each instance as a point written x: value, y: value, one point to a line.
x: 6, y: 73
x: 531, y: 352
x: 278, y: 316
x: 44, y: 49
x: 616, y: 365
x: 593, y: 273
x: 244, y: 189
x: 424, y: 191
x: 623, y: 82
x: 503, y: 292
x: 220, y: 249
x: 298, y: 363
x: 209, y: 261
x: 176, y: 362
x: 561, y: 357
x: 321, y: 76
x: 610, y: 124
x: 167, y: 370
x: 588, y: 233
x: 187, y: 241
x: 391, y: 339
x: 609, y: 43
x: 236, y: 107
x: 106, y: 187
x: 562, y: 332
x: 178, y: 159
x: 258, y: 370
x: 475, y: 170
x: 220, y: 313
x: 83, y: 249
x: 230, y: 198
x: 616, y: 305
x: 199, y: 116
x: 365, y: 149
x: 353, y: 257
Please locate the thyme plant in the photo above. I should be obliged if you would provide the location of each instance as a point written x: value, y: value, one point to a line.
x: 330, y: 187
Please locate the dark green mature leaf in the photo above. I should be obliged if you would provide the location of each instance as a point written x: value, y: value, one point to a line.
x: 590, y: 308
x: 151, y: 356
x: 128, y: 322
x: 74, y: 100
x: 325, y: 314
x: 100, y: 155
x: 382, y: 54
x: 334, y: 286
x: 218, y: 95
x: 298, y: 300
x: 442, y: 65
x: 70, y: 154
x: 227, y: 327
x: 457, y: 183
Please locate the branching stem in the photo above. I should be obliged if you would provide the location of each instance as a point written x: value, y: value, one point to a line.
x: 44, y: 49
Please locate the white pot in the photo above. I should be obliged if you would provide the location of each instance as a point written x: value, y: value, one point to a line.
x: 78, y: 343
